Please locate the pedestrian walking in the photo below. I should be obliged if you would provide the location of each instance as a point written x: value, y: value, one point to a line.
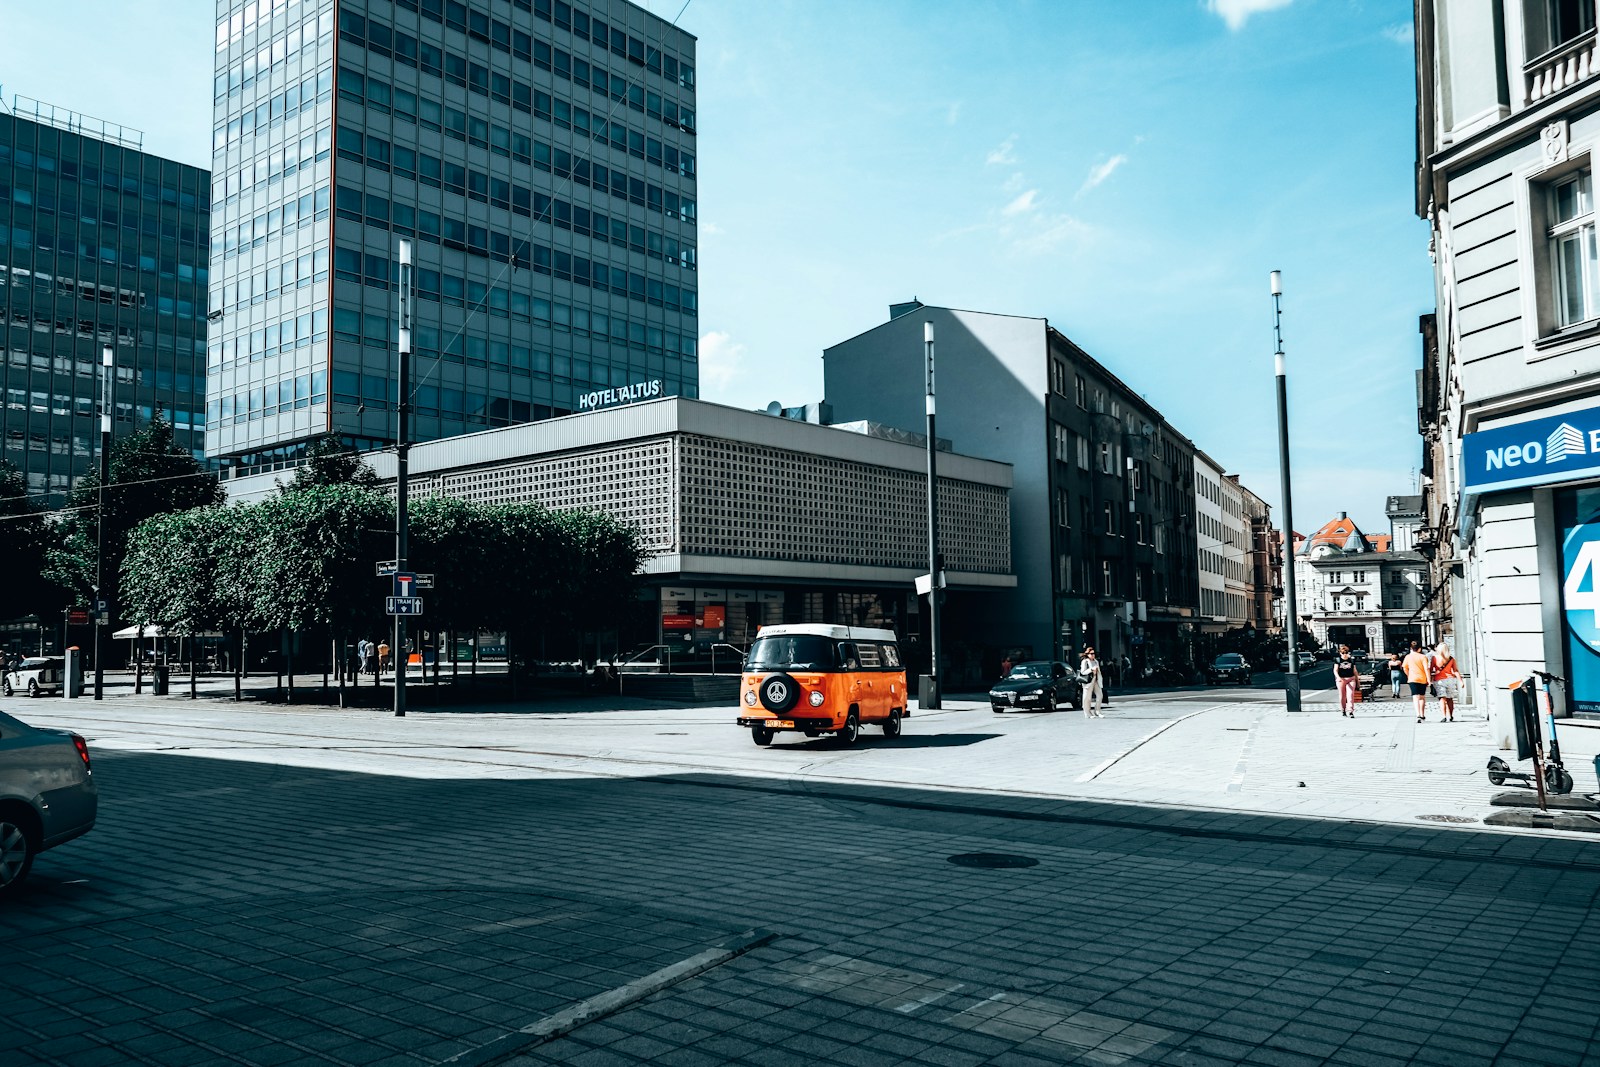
x: 1446, y: 680
x: 1397, y: 673
x: 1093, y: 679
x: 1416, y: 667
x: 383, y: 656
x: 1005, y: 665
x: 1348, y: 676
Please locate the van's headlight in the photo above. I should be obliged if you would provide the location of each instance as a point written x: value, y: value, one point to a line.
x: 750, y: 698
x: 816, y: 698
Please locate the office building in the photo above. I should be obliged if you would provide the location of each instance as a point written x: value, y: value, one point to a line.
x: 750, y: 519
x: 101, y: 243
x: 1104, y: 539
x: 539, y: 154
x: 1509, y: 395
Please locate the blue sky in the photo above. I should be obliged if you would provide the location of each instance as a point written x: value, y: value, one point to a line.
x: 1130, y: 171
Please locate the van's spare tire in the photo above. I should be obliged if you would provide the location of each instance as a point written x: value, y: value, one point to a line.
x: 778, y: 692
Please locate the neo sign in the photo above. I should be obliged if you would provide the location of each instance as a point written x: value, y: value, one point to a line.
x: 1557, y: 448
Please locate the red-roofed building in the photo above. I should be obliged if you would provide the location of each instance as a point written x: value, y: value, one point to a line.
x: 1353, y: 590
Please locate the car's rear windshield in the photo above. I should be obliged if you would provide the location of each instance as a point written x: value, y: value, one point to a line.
x: 796, y: 652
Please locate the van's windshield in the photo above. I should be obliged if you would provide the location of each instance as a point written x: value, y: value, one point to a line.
x: 799, y: 652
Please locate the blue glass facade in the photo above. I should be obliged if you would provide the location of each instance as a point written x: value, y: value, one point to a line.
x: 540, y: 156
x: 100, y: 243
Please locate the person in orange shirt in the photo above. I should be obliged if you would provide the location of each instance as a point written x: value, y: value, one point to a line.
x: 1416, y: 667
x: 1446, y: 677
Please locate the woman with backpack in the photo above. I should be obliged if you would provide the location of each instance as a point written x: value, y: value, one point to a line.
x: 1349, y: 679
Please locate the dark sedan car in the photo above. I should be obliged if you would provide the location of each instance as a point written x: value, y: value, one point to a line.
x: 1229, y: 667
x: 1038, y: 684
x: 47, y: 795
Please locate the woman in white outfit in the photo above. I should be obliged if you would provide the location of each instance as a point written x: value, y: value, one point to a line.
x: 1093, y: 685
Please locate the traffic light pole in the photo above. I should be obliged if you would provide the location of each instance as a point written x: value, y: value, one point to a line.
x: 402, y: 462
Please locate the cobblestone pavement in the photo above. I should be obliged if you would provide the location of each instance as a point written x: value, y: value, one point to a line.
x: 244, y: 911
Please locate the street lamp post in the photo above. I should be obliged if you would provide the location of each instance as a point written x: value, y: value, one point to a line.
x: 107, y: 378
x: 402, y: 469
x: 1291, y: 678
x: 928, y: 697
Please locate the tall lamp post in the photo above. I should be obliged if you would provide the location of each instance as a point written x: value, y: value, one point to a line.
x: 1291, y: 677
x: 928, y: 695
x: 107, y: 379
x: 402, y: 469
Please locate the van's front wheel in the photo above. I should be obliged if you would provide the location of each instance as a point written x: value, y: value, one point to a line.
x: 851, y: 731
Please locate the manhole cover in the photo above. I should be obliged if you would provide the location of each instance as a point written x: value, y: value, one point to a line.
x: 1446, y: 818
x: 992, y: 860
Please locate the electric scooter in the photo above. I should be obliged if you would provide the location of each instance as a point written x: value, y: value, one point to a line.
x: 1549, y: 775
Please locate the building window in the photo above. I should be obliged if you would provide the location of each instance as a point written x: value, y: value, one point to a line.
x: 1572, y: 248
x: 1083, y: 453
x: 1083, y: 392
x: 1111, y: 520
x: 1552, y: 23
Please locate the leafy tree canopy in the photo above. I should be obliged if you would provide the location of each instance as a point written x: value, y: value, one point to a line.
x: 330, y: 461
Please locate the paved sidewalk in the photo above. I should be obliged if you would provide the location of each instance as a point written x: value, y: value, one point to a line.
x: 1219, y: 750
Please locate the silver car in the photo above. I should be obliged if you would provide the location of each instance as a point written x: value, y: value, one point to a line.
x: 47, y: 795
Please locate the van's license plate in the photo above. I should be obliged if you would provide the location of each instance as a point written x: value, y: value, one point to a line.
x: 780, y: 724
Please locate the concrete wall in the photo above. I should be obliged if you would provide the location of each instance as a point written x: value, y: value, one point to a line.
x: 991, y: 384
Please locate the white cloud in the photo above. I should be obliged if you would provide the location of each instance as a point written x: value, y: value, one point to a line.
x: 721, y: 359
x: 710, y: 229
x: 1101, y: 171
x: 1402, y: 33
x: 1048, y: 232
x: 1021, y: 204
x: 952, y: 114
x: 1003, y: 155
x: 1236, y: 12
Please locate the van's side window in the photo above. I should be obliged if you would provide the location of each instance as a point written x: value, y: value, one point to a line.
x: 870, y: 658
x: 891, y: 656
x: 849, y: 659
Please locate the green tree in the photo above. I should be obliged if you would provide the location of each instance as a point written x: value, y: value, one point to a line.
x: 24, y: 545
x: 330, y: 461
x: 177, y: 573
x: 150, y: 476
x: 310, y: 563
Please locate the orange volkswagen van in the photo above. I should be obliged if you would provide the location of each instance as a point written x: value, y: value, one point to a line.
x: 822, y: 679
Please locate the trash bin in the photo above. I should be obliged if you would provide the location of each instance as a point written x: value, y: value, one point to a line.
x: 158, y: 684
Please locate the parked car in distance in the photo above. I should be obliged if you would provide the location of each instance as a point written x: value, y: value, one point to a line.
x: 47, y: 795
x: 1307, y: 659
x: 36, y: 676
x: 1230, y: 667
x: 1038, y: 683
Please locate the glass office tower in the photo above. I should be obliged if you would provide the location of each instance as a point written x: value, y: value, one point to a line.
x: 541, y: 157
x: 100, y: 244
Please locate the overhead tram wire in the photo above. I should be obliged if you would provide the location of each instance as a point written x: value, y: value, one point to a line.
x: 566, y: 183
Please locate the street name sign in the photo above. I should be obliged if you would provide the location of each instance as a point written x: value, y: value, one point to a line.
x: 403, y: 605
x: 387, y: 567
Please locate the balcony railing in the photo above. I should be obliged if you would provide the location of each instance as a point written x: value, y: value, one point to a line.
x: 1570, y: 63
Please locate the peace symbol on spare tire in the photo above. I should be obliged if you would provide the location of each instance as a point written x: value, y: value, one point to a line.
x: 779, y: 692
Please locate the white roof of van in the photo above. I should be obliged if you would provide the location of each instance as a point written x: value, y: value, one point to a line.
x: 817, y: 629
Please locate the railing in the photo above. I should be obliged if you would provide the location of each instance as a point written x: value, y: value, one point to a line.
x: 637, y: 656
x: 1570, y: 63
x: 723, y: 644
